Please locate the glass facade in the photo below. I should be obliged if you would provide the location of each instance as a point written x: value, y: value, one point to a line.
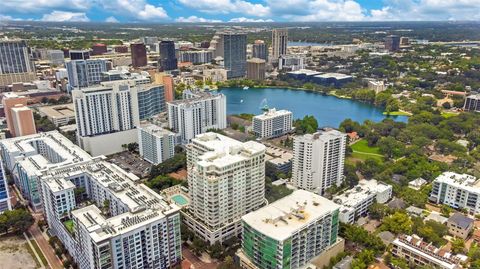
x: 151, y: 102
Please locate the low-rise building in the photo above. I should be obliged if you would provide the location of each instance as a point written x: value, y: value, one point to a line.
x: 417, y: 184
x: 280, y: 158
x: 356, y: 201
x: 59, y: 114
x: 155, y: 143
x: 460, y: 225
x: 272, y: 123
x: 290, y: 232
x: 420, y: 253
x: 459, y: 191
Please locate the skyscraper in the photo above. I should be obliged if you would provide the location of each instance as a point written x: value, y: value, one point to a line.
x: 15, y: 64
x: 79, y: 54
x: 85, y: 73
x: 139, y: 54
x: 4, y: 195
x: 233, y: 49
x: 167, y: 60
x: 392, y: 43
x: 169, y: 88
x: 318, y: 160
x: 256, y: 69
x: 260, y: 50
x: 226, y: 180
x: 279, y: 43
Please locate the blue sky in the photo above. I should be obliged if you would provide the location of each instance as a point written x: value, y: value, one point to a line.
x: 238, y: 10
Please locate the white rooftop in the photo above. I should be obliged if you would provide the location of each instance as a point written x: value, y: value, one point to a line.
x: 333, y: 75
x: 463, y: 181
x: 272, y: 113
x: 364, y: 189
x: 324, y: 136
x: 155, y: 130
x: 280, y: 219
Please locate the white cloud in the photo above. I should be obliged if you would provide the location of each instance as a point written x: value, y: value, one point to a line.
x: 136, y: 9
x: 65, y: 16
x: 243, y: 19
x: 30, y: 6
x: 111, y: 19
x: 6, y: 18
x: 317, y: 10
x: 228, y: 6
x: 195, y: 19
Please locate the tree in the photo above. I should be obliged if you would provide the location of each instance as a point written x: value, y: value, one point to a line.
x: 458, y: 246
x: 378, y: 211
x: 307, y: 125
x: 398, y: 223
x: 391, y: 147
x: 447, y: 105
x: 446, y: 210
x: 228, y: 264
x: 17, y: 220
x: 363, y: 259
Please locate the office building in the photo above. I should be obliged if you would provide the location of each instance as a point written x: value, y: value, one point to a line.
x: 23, y: 121
x: 56, y: 57
x: 168, y: 59
x: 5, y: 203
x: 260, y: 50
x: 226, y: 180
x: 139, y: 54
x: 196, y: 114
x: 85, y: 73
x: 120, y: 49
x: 168, y: 88
x: 376, y: 85
x: 58, y: 114
x: 79, y: 55
x: 291, y: 62
x: 272, y: 123
x: 318, y: 160
x: 392, y: 43
x: 233, y: 49
x: 195, y: 56
x: 99, y: 49
x: 215, y: 75
x: 256, y: 69
x: 27, y: 157
x: 332, y: 79
x: 290, y: 232
x: 9, y: 101
x: 106, y: 218
x: 304, y: 75
x: 355, y: 202
x: 155, y: 143
x: 472, y: 103
x: 460, y: 191
x: 404, y: 41
x: 420, y: 253
x: 15, y: 63
x: 279, y: 43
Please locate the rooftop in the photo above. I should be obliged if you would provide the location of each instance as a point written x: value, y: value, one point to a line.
x: 280, y: 219
x: 272, y: 113
x: 464, y: 181
x: 58, y: 111
x: 155, y: 130
x: 324, y: 136
x: 461, y: 220
x: 333, y: 75
x: 364, y: 189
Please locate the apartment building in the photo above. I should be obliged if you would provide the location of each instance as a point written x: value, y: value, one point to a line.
x: 420, y: 253
x: 355, y: 202
x: 318, y: 160
x: 226, y: 180
x: 155, y: 143
x: 272, y: 123
x: 27, y: 157
x: 112, y: 221
x: 15, y: 63
x: 459, y: 191
x: 85, y: 73
x: 290, y: 232
x: 5, y: 203
x: 197, y: 113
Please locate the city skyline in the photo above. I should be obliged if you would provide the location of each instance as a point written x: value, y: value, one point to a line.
x: 205, y: 11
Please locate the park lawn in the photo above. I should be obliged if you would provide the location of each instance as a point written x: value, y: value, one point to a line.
x: 449, y: 114
x: 362, y: 146
x: 357, y: 156
x: 397, y: 113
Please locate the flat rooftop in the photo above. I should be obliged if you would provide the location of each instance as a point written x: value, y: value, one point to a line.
x: 324, y: 136
x: 280, y: 219
x: 272, y: 113
x: 333, y: 75
x: 362, y: 191
x: 155, y: 130
x: 58, y: 111
x: 464, y: 181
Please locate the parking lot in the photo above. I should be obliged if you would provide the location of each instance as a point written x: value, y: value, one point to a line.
x: 132, y: 163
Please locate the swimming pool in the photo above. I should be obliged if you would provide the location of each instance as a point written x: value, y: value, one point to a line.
x: 179, y: 199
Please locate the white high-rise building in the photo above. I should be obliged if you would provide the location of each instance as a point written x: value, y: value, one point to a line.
x: 226, y: 180
x: 279, y: 43
x: 272, y: 123
x: 155, y: 143
x: 318, y: 160
x: 197, y: 113
x: 112, y: 220
x: 5, y: 203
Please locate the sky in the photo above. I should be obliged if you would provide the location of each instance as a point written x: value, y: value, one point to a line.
x: 198, y: 11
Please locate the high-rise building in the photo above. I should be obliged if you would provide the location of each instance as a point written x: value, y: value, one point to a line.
x: 197, y: 113
x: 23, y: 121
x: 151, y: 100
x: 318, y: 160
x: 279, y: 43
x: 99, y: 49
x: 226, y: 180
x: 9, y: 101
x: 169, y: 88
x: 124, y: 224
x: 139, y: 54
x: 155, y: 143
x: 290, y: 232
x: 272, y: 123
x: 195, y: 56
x: 256, y: 69
x: 15, y: 63
x: 260, y: 50
x: 27, y: 157
x: 56, y: 57
x: 392, y: 43
x: 85, y: 73
x: 233, y: 48
x: 5, y: 203
x: 168, y: 59
x: 79, y: 54
x: 472, y: 103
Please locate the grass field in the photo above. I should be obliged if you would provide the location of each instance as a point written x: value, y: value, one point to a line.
x: 362, y: 151
x: 449, y: 114
x: 362, y: 146
x: 397, y: 113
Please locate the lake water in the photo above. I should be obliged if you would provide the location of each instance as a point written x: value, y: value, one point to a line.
x: 328, y: 110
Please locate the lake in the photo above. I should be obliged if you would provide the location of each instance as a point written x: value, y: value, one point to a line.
x: 328, y: 110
